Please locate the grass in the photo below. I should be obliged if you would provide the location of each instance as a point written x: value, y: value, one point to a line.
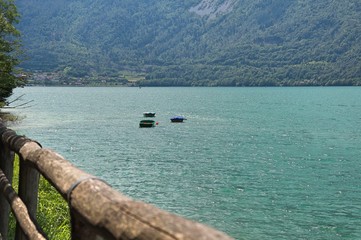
x: 8, y: 117
x: 133, y: 76
x: 53, y: 212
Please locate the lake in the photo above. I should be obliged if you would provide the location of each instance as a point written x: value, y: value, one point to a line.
x: 256, y: 163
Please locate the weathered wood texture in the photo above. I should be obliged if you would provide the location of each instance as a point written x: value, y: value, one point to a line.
x: 100, y: 212
x: 29, y: 230
x: 7, y: 165
x: 28, y: 192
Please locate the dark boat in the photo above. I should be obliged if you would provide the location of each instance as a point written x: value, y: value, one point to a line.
x: 178, y: 119
x: 146, y: 123
x: 149, y: 114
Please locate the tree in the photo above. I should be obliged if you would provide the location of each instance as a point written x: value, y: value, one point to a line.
x: 10, y: 49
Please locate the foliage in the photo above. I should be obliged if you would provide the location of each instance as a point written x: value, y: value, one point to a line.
x: 278, y: 42
x: 53, y: 214
x: 9, y: 49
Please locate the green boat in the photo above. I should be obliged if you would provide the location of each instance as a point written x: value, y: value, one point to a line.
x: 146, y: 123
x: 149, y: 114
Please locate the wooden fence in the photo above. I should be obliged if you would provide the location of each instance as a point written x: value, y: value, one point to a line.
x: 97, y: 211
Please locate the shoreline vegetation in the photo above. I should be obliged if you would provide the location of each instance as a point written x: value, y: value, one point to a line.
x: 134, y: 79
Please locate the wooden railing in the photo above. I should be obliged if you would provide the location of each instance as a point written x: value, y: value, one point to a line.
x: 97, y: 211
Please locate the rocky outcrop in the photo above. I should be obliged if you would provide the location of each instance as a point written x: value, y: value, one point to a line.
x: 213, y: 8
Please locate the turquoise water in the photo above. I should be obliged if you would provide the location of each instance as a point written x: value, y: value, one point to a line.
x: 256, y: 163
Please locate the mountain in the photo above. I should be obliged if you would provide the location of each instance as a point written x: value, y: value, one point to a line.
x: 195, y: 42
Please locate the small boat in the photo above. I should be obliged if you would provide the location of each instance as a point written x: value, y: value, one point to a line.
x: 149, y: 114
x: 146, y: 123
x: 178, y: 119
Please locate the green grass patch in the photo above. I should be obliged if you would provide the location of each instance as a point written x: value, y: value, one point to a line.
x: 133, y: 76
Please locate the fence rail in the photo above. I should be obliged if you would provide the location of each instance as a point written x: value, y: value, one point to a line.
x: 97, y: 210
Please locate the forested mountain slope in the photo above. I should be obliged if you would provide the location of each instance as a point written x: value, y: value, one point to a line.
x: 197, y: 42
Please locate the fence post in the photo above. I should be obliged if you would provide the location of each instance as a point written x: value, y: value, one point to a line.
x: 6, y: 164
x: 28, y: 192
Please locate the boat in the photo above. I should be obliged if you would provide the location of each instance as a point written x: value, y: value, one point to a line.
x: 146, y: 123
x: 149, y: 114
x: 178, y: 119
